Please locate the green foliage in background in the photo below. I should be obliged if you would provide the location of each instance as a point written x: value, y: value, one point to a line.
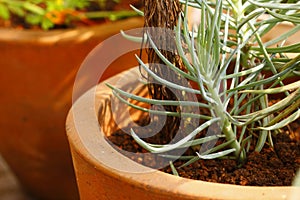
x: 48, y: 13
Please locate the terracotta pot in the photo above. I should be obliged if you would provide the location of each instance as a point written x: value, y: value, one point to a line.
x: 103, y: 173
x: 38, y: 69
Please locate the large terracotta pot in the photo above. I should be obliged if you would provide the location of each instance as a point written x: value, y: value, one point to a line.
x: 103, y: 173
x: 37, y: 73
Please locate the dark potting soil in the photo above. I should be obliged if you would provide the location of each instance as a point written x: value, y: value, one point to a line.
x: 271, y: 167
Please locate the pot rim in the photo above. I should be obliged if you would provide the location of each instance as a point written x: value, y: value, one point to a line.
x: 83, y: 33
x: 154, y: 179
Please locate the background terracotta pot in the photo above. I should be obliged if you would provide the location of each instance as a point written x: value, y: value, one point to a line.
x: 37, y: 73
x: 103, y: 173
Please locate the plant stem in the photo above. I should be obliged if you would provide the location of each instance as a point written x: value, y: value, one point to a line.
x: 239, y: 152
x: 218, y: 108
x: 238, y: 11
x: 238, y: 14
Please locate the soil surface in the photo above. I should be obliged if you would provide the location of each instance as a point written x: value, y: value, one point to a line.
x: 271, y: 167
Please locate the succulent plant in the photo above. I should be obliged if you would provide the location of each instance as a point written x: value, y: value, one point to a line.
x: 235, y: 73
